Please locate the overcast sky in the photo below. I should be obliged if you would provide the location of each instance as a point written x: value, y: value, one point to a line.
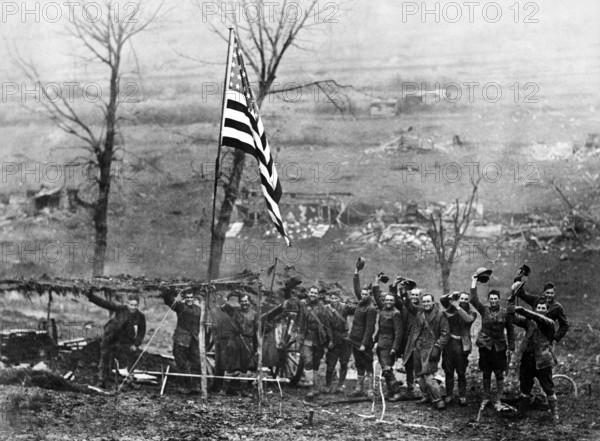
x: 553, y: 42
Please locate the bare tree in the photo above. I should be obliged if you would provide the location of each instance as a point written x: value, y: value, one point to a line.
x: 447, y: 243
x: 104, y: 39
x: 264, y: 39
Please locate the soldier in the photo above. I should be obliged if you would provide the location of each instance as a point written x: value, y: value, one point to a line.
x: 241, y: 347
x: 492, y: 342
x: 315, y: 334
x: 427, y: 339
x: 186, y: 346
x: 556, y: 311
x: 341, y: 349
x: 408, y: 321
x: 361, y: 334
x: 456, y: 354
x: 536, y: 357
x: 122, y: 336
x: 388, y: 341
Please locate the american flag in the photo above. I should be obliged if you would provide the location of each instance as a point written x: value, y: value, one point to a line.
x: 243, y: 129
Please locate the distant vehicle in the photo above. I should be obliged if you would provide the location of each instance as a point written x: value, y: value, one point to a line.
x: 26, y: 345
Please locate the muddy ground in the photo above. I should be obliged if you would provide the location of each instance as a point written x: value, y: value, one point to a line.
x: 144, y: 415
x: 32, y: 413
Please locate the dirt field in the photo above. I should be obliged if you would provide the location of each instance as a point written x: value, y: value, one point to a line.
x: 160, y: 206
x: 144, y: 415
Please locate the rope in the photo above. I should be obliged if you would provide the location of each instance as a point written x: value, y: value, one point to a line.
x: 233, y: 278
x: 148, y: 344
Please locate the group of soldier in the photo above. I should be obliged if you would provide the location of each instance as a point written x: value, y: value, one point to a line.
x: 401, y: 323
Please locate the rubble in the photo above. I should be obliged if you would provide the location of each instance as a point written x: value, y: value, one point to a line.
x: 544, y: 152
x: 484, y: 231
x: 406, y: 234
x: 566, y: 150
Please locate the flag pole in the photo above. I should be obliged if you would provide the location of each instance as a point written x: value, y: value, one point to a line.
x: 217, y: 160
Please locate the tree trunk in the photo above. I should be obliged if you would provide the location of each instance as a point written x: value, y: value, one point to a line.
x: 446, y: 266
x: 100, y: 217
x: 105, y: 158
x: 217, y: 240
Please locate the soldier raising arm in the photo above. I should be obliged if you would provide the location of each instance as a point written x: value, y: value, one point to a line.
x: 492, y: 341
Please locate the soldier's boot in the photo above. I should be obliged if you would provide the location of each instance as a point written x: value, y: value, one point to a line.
x: 358, y: 389
x: 487, y: 388
x: 308, y: 378
x: 462, y: 390
x: 440, y: 404
x: 426, y: 395
x: 328, y: 380
x: 499, y: 393
x: 527, y: 399
x: 340, y: 385
x: 229, y: 387
x: 397, y: 395
x: 410, y: 392
x: 368, y: 385
x: 553, y: 408
x: 315, y: 388
x: 392, y: 386
x: 389, y: 383
x: 449, y: 388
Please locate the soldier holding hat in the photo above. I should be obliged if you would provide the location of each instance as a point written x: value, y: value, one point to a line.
x: 456, y: 354
x: 186, y: 346
x: 241, y: 347
x: 492, y: 341
x: 388, y: 341
x: 408, y: 321
x: 556, y: 312
x: 536, y: 358
x: 361, y: 334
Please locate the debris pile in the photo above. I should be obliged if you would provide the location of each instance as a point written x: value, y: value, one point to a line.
x: 542, y: 151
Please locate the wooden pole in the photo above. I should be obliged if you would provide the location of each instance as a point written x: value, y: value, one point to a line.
x: 261, y: 336
x: 217, y: 163
x: 165, y: 378
x: 202, y: 338
x: 48, y: 323
x: 223, y: 377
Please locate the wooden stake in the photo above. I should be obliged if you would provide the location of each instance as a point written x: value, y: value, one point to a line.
x: 48, y: 324
x: 261, y: 335
x: 164, y: 382
x: 202, y: 338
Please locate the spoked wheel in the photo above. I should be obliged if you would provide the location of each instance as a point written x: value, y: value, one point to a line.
x: 564, y: 386
x: 291, y: 364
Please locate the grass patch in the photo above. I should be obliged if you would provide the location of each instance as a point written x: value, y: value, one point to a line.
x: 34, y: 402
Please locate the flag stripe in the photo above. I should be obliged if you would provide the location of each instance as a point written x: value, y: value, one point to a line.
x: 243, y: 129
